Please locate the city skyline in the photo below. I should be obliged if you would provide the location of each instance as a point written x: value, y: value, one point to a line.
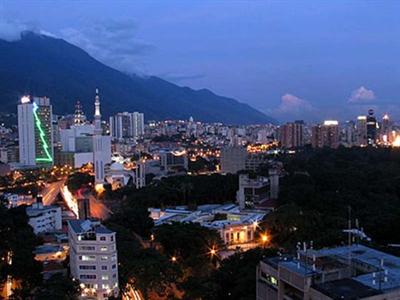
x: 288, y: 60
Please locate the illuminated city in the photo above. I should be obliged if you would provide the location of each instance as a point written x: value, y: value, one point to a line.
x: 199, y: 150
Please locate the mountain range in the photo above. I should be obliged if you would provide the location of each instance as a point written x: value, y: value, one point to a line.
x: 41, y: 65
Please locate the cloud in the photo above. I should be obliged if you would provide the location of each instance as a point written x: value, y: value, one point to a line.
x: 293, y: 107
x: 292, y: 104
x: 112, y: 42
x: 362, y: 95
x: 178, y: 77
x: 11, y: 30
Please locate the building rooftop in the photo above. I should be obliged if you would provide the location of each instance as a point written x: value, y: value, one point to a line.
x: 383, y: 265
x: 84, y: 226
x: 205, y: 215
x: 371, y: 269
x: 36, y: 210
x: 345, y: 289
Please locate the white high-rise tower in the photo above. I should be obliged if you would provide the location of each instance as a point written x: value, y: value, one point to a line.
x: 35, y: 131
x: 101, y: 144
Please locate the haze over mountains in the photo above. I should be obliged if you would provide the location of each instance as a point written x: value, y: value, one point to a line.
x: 46, y: 66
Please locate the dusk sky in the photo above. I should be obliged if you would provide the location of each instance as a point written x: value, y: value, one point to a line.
x: 290, y: 59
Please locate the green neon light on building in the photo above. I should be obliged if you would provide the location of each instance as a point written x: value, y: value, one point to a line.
x: 42, y: 135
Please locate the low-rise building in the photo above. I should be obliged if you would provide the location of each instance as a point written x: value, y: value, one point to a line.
x: 44, y: 218
x: 235, y: 226
x: 348, y: 272
x: 93, y: 258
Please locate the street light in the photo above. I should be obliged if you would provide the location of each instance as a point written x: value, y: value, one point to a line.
x: 173, y: 258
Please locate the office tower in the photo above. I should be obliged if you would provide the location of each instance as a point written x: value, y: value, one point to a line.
x: 35, y: 131
x: 326, y: 135
x: 93, y: 258
x: 361, y: 131
x: 371, y: 128
x: 138, y: 125
x: 386, y: 129
x: 316, y: 136
x: 127, y: 125
x: 101, y: 145
x: 348, y: 134
x: 291, y: 135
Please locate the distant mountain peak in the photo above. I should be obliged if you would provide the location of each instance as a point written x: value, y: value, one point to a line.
x: 47, y: 66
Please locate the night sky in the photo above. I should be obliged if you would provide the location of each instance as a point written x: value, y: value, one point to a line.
x: 290, y: 59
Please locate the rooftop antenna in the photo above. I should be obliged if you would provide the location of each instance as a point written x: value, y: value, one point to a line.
x: 298, y: 254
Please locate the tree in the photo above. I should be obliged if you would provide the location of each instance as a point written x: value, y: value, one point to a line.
x: 77, y: 180
x: 16, y: 250
x: 235, y: 279
x: 135, y: 217
x: 58, y: 287
x: 153, y: 273
x: 190, y: 244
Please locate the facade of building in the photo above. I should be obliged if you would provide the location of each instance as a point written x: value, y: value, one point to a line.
x: 252, y: 191
x: 43, y: 218
x: 127, y: 125
x: 35, y: 131
x: 372, y: 126
x: 325, y: 135
x: 233, y: 159
x: 93, y: 258
x: 348, y: 272
x: 173, y: 159
x: 291, y: 135
x: 361, y: 131
x: 386, y: 130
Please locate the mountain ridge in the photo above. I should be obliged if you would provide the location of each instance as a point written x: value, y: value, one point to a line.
x: 45, y: 66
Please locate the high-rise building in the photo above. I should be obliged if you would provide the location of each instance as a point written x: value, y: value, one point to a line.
x: 93, y: 258
x: 291, y: 135
x: 349, y: 134
x: 127, y: 125
x: 372, y: 126
x: 386, y: 129
x: 101, y: 145
x: 35, y: 131
x: 361, y: 131
x: 326, y: 135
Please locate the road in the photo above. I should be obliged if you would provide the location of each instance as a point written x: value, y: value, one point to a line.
x: 51, y: 191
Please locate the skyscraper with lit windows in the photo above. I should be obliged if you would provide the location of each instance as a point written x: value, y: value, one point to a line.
x: 35, y: 131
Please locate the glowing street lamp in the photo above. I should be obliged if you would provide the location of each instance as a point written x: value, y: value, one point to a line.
x: 173, y: 258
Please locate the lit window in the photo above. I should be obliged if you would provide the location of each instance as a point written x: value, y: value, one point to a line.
x: 104, y: 277
x: 104, y: 257
x: 88, y: 257
x: 103, y: 249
